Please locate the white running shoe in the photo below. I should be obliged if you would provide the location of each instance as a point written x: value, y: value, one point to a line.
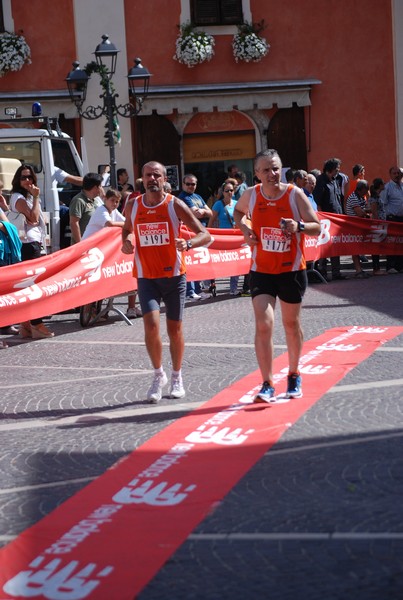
x: 193, y: 296
x: 133, y: 313
x: 154, y: 394
x: 177, y: 389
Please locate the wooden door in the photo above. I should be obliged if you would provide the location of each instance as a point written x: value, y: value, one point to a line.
x: 286, y: 134
x: 157, y: 139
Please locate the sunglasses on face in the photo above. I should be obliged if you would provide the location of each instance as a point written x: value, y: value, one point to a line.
x: 228, y: 191
x: 26, y: 178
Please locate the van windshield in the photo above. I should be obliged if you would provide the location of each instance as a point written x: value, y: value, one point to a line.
x: 26, y: 151
x: 63, y: 157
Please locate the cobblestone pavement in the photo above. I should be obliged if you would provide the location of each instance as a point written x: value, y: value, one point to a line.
x: 320, y: 516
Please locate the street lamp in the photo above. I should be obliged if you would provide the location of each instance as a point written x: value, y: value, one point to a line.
x: 77, y: 81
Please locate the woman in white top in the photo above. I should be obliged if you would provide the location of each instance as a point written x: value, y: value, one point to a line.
x: 25, y: 200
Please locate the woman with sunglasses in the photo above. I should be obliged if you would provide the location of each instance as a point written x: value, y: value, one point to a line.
x: 25, y: 199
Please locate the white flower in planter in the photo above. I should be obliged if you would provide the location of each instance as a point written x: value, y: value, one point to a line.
x: 193, y: 47
x: 247, y: 44
x: 14, y: 52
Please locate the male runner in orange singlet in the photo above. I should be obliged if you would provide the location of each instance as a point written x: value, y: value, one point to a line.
x: 280, y: 215
x: 151, y: 231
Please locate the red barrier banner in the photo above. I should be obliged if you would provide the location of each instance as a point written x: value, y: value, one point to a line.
x: 341, y: 235
x: 96, y: 268
x: 110, y: 539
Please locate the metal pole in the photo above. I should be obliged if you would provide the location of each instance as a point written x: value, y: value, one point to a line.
x: 110, y: 105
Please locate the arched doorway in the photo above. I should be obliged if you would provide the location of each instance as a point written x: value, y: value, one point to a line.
x: 214, y: 141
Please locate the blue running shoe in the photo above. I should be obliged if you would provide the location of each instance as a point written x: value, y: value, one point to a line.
x: 266, y: 394
x: 294, y: 383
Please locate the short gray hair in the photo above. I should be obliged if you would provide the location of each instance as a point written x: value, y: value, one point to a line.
x: 270, y: 153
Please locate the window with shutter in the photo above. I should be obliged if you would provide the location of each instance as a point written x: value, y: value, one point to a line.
x: 216, y: 12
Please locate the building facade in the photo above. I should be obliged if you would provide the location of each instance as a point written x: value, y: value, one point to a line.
x: 329, y: 85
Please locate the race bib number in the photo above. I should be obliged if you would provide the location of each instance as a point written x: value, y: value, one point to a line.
x: 153, y: 234
x: 274, y: 240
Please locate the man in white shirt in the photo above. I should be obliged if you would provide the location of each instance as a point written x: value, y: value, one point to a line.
x: 107, y: 215
x: 64, y: 177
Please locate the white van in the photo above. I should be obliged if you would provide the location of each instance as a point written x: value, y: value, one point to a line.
x: 47, y: 150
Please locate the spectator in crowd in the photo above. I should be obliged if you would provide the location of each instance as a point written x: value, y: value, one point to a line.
x: 358, y: 174
x: 375, y: 201
x: 124, y: 187
x: 232, y: 170
x: 63, y: 177
x: 275, y: 235
x: 10, y: 253
x: 305, y: 181
x: 241, y: 184
x: 356, y: 206
x: 315, y: 172
x: 138, y: 187
x: 300, y: 178
x: 83, y: 205
x: 343, y: 183
x: 392, y: 200
x: 377, y: 212
x: 25, y: 200
x: 232, y: 181
x: 194, y: 201
x: 223, y: 211
x: 3, y: 202
x: 215, y: 194
x: 239, y: 188
x: 138, y: 190
x: 105, y: 172
x: 108, y: 215
x: 327, y: 195
x: 308, y: 189
x: 105, y: 215
x: 160, y: 271
x: 202, y: 212
x: 289, y: 175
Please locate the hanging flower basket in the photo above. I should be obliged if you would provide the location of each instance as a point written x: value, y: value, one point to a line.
x: 14, y: 52
x: 248, y: 45
x: 193, y: 47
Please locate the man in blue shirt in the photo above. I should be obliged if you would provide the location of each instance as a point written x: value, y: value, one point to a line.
x: 193, y: 200
x: 200, y: 209
x: 308, y: 189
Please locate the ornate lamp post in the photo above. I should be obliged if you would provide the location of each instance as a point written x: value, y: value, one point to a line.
x: 105, y: 65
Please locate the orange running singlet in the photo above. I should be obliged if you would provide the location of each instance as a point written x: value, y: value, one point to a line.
x: 277, y: 251
x: 155, y: 229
